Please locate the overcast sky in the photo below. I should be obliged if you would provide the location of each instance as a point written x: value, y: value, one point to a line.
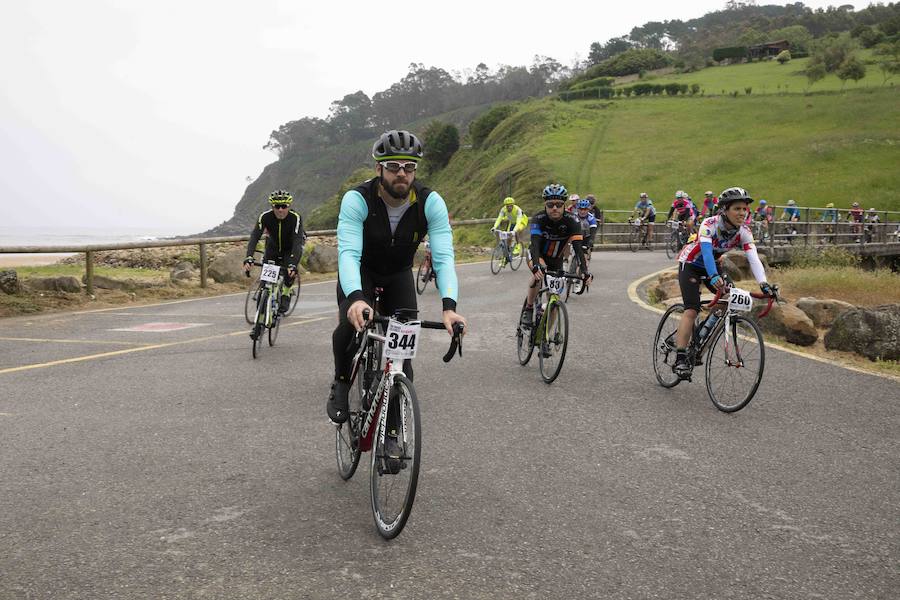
x: 152, y: 114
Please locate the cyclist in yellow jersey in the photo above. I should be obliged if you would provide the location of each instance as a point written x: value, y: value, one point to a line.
x: 515, y: 220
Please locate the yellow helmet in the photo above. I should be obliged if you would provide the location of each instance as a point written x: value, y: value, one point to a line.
x: 829, y: 205
x: 509, y: 201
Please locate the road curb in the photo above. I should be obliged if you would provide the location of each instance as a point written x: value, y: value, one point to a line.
x: 634, y: 297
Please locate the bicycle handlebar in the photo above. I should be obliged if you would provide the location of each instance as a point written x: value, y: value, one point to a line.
x: 758, y: 295
x: 455, y: 340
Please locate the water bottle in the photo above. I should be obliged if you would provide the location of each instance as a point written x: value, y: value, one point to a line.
x: 707, y: 326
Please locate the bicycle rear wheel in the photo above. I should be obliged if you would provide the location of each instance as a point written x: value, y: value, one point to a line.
x: 734, y: 364
x: 393, y: 481
x: 524, y: 339
x: 422, y: 277
x: 552, y: 349
x: 664, y: 346
x: 496, y: 260
x: 295, y: 296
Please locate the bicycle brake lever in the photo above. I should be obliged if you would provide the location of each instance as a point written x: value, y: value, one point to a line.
x: 455, y: 343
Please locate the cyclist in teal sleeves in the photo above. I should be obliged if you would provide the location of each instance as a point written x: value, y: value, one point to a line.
x: 381, y: 224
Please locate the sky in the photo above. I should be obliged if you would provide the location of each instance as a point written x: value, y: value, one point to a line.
x: 135, y: 114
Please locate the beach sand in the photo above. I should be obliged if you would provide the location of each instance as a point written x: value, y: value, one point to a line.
x: 30, y: 260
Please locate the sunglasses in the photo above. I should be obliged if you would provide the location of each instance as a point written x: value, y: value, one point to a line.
x: 281, y: 206
x: 394, y: 166
x: 559, y: 204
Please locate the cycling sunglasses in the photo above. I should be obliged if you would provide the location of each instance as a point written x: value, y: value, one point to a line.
x: 554, y: 204
x: 281, y: 206
x: 394, y: 166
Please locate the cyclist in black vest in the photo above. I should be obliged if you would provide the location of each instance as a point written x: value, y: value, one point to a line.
x: 284, y: 244
x: 380, y: 226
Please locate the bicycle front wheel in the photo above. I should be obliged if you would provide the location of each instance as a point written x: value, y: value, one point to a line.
x: 422, y: 278
x: 664, y: 346
x: 734, y: 364
x: 260, y: 322
x: 295, y: 297
x: 393, y: 479
x: 633, y: 240
x: 496, y: 260
x: 273, y: 329
x: 672, y: 246
x: 516, y: 259
x: 249, y: 303
x: 552, y: 349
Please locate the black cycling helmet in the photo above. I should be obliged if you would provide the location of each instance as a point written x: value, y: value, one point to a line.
x: 397, y: 144
x: 734, y: 194
x: 555, y: 191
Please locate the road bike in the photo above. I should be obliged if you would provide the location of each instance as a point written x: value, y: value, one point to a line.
x: 577, y: 274
x: 678, y: 237
x: 266, y: 317
x: 639, y: 236
x: 425, y: 272
x: 253, y: 293
x: 383, y: 402
x: 550, y: 329
x: 760, y: 230
x: 503, y: 252
x: 728, y: 340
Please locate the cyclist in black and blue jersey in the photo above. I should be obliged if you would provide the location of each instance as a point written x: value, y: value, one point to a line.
x: 552, y: 230
x: 381, y: 224
x: 284, y: 242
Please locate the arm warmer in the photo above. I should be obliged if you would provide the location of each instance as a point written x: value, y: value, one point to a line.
x: 756, y: 265
x: 350, y: 240
x: 709, y: 261
x: 442, y: 256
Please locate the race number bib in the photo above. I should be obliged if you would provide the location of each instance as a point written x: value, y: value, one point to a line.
x: 401, y: 339
x: 556, y: 284
x: 740, y: 300
x: 270, y: 273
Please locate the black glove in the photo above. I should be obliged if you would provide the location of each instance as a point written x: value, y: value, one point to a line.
x: 766, y: 289
x: 535, y: 268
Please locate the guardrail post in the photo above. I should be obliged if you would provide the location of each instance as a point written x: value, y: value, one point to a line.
x: 202, y: 265
x: 602, y: 221
x: 806, y: 239
x: 89, y: 272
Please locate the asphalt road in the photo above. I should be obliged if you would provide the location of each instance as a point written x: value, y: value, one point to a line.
x: 170, y: 464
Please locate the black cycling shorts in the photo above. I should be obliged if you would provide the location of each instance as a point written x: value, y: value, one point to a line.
x: 652, y: 218
x: 689, y: 279
x: 553, y: 264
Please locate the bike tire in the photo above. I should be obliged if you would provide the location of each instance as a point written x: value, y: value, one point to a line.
x: 273, y: 330
x: 389, y: 510
x: 524, y: 340
x: 721, y: 377
x: 260, y: 321
x: 633, y: 240
x: 672, y: 246
x: 556, y: 339
x: 422, y: 277
x: 496, y: 257
x: 515, y: 261
x: 664, y: 346
x: 346, y: 435
x: 295, y: 297
x: 251, y: 293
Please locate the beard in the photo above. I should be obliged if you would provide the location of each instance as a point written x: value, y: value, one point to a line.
x: 392, y: 190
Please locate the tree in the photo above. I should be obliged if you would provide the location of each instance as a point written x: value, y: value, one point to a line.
x: 815, y: 71
x: 600, y: 52
x: 783, y: 57
x: 852, y: 68
x: 888, y: 60
x: 441, y: 142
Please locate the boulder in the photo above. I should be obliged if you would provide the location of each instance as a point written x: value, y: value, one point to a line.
x: 790, y: 322
x: 823, y: 312
x: 229, y: 266
x: 183, y: 271
x: 664, y: 290
x: 55, y: 284
x: 668, y: 276
x: 738, y: 267
x: 9, y: 282
x: 872, y: 332
x: 323, y: 259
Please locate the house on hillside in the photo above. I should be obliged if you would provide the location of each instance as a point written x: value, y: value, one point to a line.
x: 768, y: 49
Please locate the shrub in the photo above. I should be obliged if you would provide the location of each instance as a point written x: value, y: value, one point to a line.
x: 829, y: 256
x: 683, y: 88
x: 783, y: 57
x: 657, y: 88
x: 481, y: 127
x: 695, y: 88
x: 627, y: 91
x: 592, y: 83
x: 442, y: 141
x: 748, y: 90
x: 672, y: 89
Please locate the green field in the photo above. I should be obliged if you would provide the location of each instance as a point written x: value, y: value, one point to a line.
x: 769, y: 77
x: 819, y: 148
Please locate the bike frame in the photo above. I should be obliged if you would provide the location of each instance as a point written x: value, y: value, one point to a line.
x: 725, y: 320
x: 381, y: 394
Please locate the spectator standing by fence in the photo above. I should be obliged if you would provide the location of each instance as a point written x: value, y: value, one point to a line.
x: 855, y: 216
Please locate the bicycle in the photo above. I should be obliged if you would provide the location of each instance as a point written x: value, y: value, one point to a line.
x: 575, y: 270
x: 731, y: 342
x: 376, y: 391
x: 760, y: 230
x: 255, y: 289
x: 677, y: 238
x: 550, y: 329
x: 267, y: 302
x: 639, y: 235
x: 503, y: 254
x: 425, y: 272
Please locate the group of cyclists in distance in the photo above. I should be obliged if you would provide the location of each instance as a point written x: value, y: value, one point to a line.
x: 383, y: 221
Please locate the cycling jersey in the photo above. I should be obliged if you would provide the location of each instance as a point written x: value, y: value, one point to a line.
x: 366, y: 239
x: 792, y: 212
x: 713, y: 241
x: 512, y: 216
x: 684, y: 208
x: 641, y: 206
x: 549, y: 238
x: 856, y: 215
x: 709, y: 206
x: 829, y: 215
x: 284, y: 243
x: 763, y: 213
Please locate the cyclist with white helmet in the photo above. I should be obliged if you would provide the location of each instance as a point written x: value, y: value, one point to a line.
x: 684, y: 210
x: 646, y: 212
x: 855, y: 215
x: 697, y: 263
x: 588, y: 228
x: 710, y: 203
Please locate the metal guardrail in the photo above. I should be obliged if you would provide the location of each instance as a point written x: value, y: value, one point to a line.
x: 201, y: 242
